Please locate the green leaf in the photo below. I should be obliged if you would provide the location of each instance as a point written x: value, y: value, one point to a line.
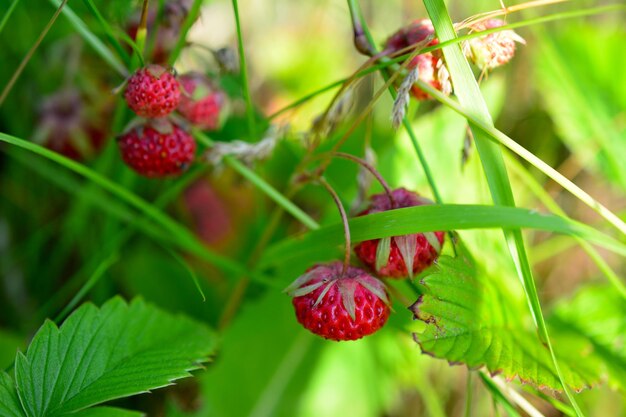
x: 470, y: 320
x: 9, y: 401
x: 105, y: 412
x: 101, y: 354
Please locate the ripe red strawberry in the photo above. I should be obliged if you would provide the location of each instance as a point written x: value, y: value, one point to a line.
x: 389, y: 256
x: 339, y: 307
x: 152, y: 92
x: 492, y: 50
x: 157, y: 151
x: 201, y: 102
x: 430, y: 65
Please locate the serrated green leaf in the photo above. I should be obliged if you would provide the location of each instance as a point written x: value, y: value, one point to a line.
x: 9, y: 401
x: 101, y: 354
x: 469, y: 320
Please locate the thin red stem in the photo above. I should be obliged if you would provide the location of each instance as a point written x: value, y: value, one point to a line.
x: 373, y: 171
x: 344, y: 219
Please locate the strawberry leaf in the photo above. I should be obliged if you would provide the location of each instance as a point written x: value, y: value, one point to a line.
x: 471, y: 320
x: 9, y: 401
x: 101, y: 354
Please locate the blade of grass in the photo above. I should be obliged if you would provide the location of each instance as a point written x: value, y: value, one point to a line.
x: 20, y: 68
x: 244, y: 74
x: 8, y: 14
x: 495, y: 135
x: 549, y: 202
x: 182, y: 37
x: 178, y: 233
x: 261, y: 184
x: 189, y: 269
x: 431, y: 218
x: 498, y: 395
x: 95, y: 277
x: 470, y: 97
x: 95, y: 42
x: 108, y: 31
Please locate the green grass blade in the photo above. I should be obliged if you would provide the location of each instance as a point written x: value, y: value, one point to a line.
x: 108, y: 31
x: 430, y: 218
x: 95, y: 277
x: 498, y: 395
x: 470, y: 97
x: 92, y: 39
x: 182, y: 37
x: 547, y: 201
x: 495, y: 135
x: 244, y: 74
x: 178, y: 233
x: 8, y: 14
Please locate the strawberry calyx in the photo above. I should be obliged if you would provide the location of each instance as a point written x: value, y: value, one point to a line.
x: 328, y: 276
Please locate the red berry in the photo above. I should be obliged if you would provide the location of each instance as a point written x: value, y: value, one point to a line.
x: 430, y: 65
x: 152, y: 92
x: 339, y: 307
x: 387, y: 256
x: 202, y: 101
x: 157, y: 153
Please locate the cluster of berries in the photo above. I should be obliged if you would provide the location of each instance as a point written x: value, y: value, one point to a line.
x: 160, y: 146
x: 350, y: 304
x: 486, y: 52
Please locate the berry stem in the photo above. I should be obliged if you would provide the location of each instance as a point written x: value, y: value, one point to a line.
x: 344, y: 220
x: 373, y: 171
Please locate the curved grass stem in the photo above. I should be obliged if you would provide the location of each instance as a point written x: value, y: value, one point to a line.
x: 9, y: 86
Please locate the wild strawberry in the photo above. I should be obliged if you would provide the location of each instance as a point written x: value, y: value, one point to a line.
x: 431, y: 67
x: 399, y: 256
x: 339, y: 307
x: 201, y: 102
x: 492, y: 50
x: 152, y: 92
x: 158, y: 149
